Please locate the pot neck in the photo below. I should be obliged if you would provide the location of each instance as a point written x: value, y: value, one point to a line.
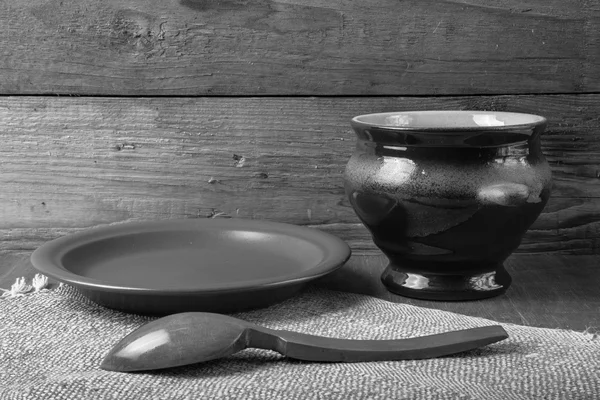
x: 459, y: 154
x: 496, y: 137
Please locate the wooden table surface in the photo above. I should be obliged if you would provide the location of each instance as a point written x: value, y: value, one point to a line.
x: 551, y: 291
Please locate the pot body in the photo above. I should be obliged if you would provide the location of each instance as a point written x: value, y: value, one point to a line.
x: 447, y: 207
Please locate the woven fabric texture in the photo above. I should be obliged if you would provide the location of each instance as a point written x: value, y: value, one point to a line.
x: 52, y: 343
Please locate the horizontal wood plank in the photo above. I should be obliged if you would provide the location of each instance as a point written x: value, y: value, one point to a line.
x: 548, y: 291
x: 72, y: 163
x: 299, y: 47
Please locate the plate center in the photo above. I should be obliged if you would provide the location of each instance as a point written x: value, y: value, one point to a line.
x: 190, y: 260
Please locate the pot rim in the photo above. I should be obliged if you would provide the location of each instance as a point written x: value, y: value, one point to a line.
x: 489, y: 121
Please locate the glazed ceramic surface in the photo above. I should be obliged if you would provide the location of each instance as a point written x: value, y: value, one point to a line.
x: 447, y: 196
x: 171, y: 266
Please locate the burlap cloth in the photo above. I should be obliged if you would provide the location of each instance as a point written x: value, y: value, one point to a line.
x: 54, y: 341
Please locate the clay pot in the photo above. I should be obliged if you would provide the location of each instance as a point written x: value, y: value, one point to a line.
x: 447, y: 196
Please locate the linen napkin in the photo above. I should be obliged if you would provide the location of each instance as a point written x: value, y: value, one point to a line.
x: 52, y: 343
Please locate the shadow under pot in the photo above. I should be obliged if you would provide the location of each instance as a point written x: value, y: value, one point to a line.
x: 447, y: 196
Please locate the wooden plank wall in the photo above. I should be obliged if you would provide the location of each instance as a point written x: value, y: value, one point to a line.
x: 114, y: 111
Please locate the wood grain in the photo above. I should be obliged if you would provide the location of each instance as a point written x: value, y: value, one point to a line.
x: 548, y: 291
x: 299, y: 47
x: 71, y: 163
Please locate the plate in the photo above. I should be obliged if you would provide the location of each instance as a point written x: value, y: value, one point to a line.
x: 170, y: 266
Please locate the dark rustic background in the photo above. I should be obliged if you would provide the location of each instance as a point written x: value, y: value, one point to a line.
x: 128, y: 110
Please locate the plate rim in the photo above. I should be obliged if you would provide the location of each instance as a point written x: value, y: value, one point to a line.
x: 45, y: 258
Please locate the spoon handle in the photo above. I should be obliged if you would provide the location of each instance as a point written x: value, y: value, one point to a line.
x: 318, y: 348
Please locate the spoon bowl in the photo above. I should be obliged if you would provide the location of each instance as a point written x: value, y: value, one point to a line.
x: 176, y: 340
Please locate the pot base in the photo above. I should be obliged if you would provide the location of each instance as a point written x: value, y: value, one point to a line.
x: 427, y: 285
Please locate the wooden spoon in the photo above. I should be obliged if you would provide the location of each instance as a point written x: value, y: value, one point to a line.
x: 189, y: 338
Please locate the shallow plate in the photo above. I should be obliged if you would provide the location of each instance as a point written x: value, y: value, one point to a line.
x: 165, y: 267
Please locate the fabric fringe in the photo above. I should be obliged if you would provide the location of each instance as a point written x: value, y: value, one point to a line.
x: 20, y: 288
